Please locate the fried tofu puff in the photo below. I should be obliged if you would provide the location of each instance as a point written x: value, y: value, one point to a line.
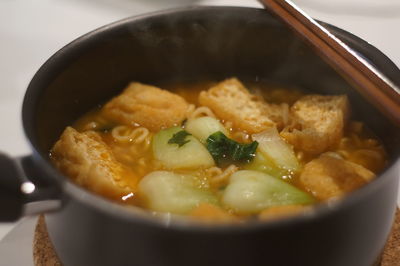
x: 147, y: 106
x: 328, y: 177
x: 318, y: 122
x: 231, y: 101
x: 87, y: 160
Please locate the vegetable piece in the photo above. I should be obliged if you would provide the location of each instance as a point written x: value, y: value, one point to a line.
x: 170, y: 192
x: 273, y: 147
x: 225, y: 150
x: 192, y: 154
x: 265, y: 165
x: 203, y: 127
x: 179, y: 138
x: 252, y: 191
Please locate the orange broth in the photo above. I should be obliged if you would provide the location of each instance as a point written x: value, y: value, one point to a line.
x: 139, y: 157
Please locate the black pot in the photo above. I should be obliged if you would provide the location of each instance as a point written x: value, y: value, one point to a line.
x: 195, y: 43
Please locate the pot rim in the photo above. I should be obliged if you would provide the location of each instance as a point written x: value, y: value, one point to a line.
x: 138, y: 215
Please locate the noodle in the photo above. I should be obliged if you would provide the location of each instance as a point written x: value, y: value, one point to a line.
x: 190, y: 110
x: 217, y: 176
x: 213, y: 171
x: 130, y: 145
x: 126, y: 134
x: 141, y: 134
x: 241, y: 136
x: 345, y: 154
x: 201, y: 111
x: 228, y: 124
x: 121, y: 134
x: 147, y: 142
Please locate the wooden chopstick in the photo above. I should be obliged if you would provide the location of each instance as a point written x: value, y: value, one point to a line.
x: 364, y: 77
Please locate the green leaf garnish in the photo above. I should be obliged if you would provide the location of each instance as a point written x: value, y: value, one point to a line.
x: 225, y: 150
x: 179, y: 138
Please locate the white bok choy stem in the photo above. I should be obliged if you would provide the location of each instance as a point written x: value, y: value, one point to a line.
x: 273, y: 147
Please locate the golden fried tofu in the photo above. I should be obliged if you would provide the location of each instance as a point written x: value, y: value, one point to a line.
x: 328, y: 177
x: 278, y: 113
x: 148, y: 106
x: 317, y: 122
x: 231, y: 101
x: 87, y: 160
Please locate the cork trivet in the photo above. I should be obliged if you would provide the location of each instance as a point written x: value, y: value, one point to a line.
x: 391, y: 253
x: 44, y: 254
x: 43, y: 250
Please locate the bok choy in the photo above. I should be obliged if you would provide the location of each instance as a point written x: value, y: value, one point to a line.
x: 275, y: 149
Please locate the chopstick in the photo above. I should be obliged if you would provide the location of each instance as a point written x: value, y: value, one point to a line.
x: 364, y: 77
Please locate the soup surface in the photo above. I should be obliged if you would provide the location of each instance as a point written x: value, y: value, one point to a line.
x: 220, y: 151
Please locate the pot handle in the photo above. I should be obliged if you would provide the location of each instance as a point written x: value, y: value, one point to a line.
x: 22, y: 196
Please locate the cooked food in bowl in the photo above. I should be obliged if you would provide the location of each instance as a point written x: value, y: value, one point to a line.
x: 220, y: 151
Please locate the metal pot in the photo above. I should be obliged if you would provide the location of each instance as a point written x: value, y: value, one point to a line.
x: 192, y: 43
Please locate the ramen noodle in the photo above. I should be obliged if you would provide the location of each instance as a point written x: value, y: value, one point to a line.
x: 220, y: 151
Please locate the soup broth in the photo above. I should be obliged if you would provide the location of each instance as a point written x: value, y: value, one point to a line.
x: 224, y: 152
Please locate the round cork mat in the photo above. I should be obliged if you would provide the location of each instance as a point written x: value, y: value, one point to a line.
x: 45, y: 255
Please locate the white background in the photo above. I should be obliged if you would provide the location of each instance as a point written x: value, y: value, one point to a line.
x: 31, y: 31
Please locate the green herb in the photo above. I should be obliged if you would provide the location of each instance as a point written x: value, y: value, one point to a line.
x: 225, y: 150
x: 179, y: 138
